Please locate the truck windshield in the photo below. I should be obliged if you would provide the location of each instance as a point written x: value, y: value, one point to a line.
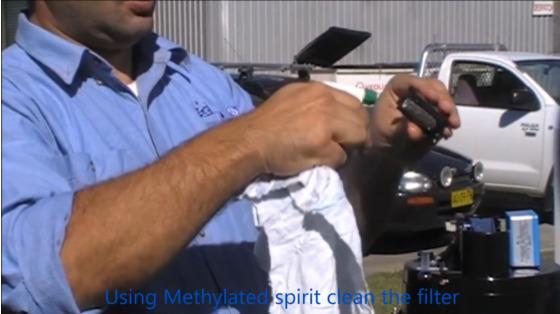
x: 546, y: 73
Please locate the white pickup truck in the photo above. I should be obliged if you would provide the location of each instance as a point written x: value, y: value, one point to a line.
x: 508, y: 103
x: 509, y: 107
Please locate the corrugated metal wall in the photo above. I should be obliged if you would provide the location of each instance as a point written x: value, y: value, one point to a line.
x: 10, y: 12
x: 556, y: 31
x: 273, y: 31
x: 183, y: 22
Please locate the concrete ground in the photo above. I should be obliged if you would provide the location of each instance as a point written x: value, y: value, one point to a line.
x: 390, y: 263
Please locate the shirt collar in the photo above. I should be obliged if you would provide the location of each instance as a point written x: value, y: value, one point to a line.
x: 159, y: 49
x: 58, y: 54
x: 65, y: 58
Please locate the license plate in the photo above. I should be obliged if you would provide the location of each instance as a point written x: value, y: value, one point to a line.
x: 462, y: 197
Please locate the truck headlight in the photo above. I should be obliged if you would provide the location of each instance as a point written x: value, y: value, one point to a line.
x: 446, y: 177
x: 414, y: 182
x: 477, y: 172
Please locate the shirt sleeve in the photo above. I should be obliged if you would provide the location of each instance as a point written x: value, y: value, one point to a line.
x: 36, y: 203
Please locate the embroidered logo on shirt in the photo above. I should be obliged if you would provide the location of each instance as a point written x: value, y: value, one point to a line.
x: 203, y: 109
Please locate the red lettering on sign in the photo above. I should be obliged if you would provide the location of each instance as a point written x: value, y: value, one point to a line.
x: 543, y: 7
x: 372, y: 86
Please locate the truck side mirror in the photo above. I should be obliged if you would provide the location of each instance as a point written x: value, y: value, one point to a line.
x: 523, y: 99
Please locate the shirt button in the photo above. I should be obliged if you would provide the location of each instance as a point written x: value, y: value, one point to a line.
x: 202, y: 233
x: 99, y: 82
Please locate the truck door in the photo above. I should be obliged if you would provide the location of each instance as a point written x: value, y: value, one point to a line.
x: 501, y: 124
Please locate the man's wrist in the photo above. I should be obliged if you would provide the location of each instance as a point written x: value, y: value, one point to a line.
x: 250, y: 144
x: 391, y: 153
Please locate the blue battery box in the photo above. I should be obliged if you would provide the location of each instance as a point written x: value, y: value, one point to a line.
x: 524, y: 239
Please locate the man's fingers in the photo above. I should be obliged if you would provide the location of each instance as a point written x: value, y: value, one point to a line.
x: 346, y: 99
x: 427, y: 88
x: 435, y: 92
x: 351, y: 110
x: 349, y: 101
x: 414, y: 131
x: 342, y: 97
x: 446, y: 103
x: 349, y: 127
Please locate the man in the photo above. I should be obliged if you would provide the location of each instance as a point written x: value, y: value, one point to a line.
x: 122, y: 156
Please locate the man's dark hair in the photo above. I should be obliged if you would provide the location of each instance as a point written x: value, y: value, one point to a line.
x: 30, y: 5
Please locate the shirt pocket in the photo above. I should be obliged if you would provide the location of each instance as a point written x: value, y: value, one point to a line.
x: 115, y: 163
x: 220, y: 116
x: 79, y: 170
x: 213, y: 119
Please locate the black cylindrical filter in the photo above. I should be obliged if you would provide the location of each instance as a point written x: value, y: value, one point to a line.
x: 521, y: 292
x: 485, y: 254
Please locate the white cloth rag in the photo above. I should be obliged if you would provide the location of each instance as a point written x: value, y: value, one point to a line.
x: 309, y: 243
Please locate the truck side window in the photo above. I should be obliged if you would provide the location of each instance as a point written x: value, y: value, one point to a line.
x: 484, y: 85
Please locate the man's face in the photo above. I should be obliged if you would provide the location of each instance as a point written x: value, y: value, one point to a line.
x: 103, y: 24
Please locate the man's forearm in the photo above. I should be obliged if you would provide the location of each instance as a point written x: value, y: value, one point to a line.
x: 122, y: 231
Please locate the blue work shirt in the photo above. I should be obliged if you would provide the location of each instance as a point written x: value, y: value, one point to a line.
x: 68, y: 123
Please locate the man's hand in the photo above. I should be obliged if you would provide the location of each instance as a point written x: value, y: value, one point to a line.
x: 307, y: 124
x: 390, y: 129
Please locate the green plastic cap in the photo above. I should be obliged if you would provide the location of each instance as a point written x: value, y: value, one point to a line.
x: 370, y: 97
